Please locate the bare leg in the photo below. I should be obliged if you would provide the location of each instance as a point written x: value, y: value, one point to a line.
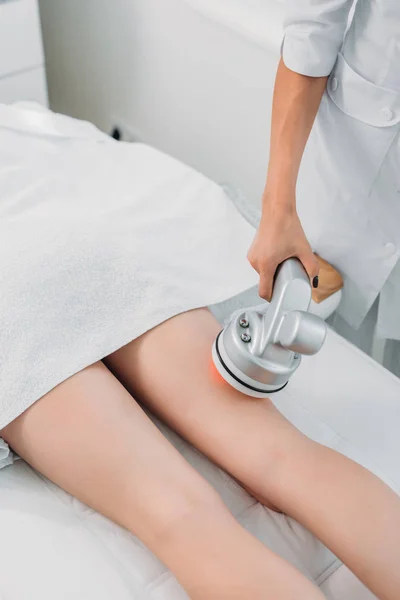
x: 144, y: 484
x: 348, y: 508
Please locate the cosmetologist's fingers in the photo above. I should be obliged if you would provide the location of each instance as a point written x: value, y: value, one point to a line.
x: 311, y: 265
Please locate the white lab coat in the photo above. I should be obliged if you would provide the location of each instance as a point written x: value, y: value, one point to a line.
x: 349, y: 183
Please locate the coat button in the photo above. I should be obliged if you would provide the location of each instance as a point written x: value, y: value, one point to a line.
x: 390, y: 249
x: 387, y: 114
x: 334, y: 84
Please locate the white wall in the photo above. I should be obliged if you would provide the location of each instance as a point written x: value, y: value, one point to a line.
x: 181, y: 80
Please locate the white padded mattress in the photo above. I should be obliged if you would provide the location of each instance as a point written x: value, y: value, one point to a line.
x: 52, y: 547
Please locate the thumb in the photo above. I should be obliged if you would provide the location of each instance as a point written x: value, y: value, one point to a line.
x: 266, y: 282
x: 311, y: 265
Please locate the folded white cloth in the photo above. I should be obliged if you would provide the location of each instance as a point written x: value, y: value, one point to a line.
x: 100, y: 241
x: 6, y: 456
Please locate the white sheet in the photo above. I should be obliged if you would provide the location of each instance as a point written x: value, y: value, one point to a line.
x: 54, y: 547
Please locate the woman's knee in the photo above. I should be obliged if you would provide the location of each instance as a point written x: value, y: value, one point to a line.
x: 183, y: 509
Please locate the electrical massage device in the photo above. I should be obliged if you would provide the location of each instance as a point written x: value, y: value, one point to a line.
x: 261, y: 347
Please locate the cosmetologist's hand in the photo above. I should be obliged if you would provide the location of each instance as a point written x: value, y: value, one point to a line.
x: 280, y: 236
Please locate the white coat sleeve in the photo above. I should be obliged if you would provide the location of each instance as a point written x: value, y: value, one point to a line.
x: 314, y: 31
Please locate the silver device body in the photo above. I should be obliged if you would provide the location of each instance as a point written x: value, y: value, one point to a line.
x: 261, y: 347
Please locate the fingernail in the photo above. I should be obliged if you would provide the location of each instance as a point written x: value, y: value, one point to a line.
x: 315, y: 281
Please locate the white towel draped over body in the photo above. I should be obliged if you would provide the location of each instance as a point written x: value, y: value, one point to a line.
x: 100, y: 241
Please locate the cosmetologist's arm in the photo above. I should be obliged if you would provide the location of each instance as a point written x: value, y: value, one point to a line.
x: 280, y: 234
x: 313, y: 37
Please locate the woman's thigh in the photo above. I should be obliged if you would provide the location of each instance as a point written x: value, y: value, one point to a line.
x: 90, y: 437
x: 170, y: 370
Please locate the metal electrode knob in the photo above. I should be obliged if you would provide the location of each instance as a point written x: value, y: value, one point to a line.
x: 302, y: 332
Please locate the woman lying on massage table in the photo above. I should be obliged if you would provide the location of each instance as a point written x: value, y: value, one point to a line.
x: 105, y: 249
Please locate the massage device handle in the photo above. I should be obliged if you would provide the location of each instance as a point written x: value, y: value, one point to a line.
x: 287, y: 319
